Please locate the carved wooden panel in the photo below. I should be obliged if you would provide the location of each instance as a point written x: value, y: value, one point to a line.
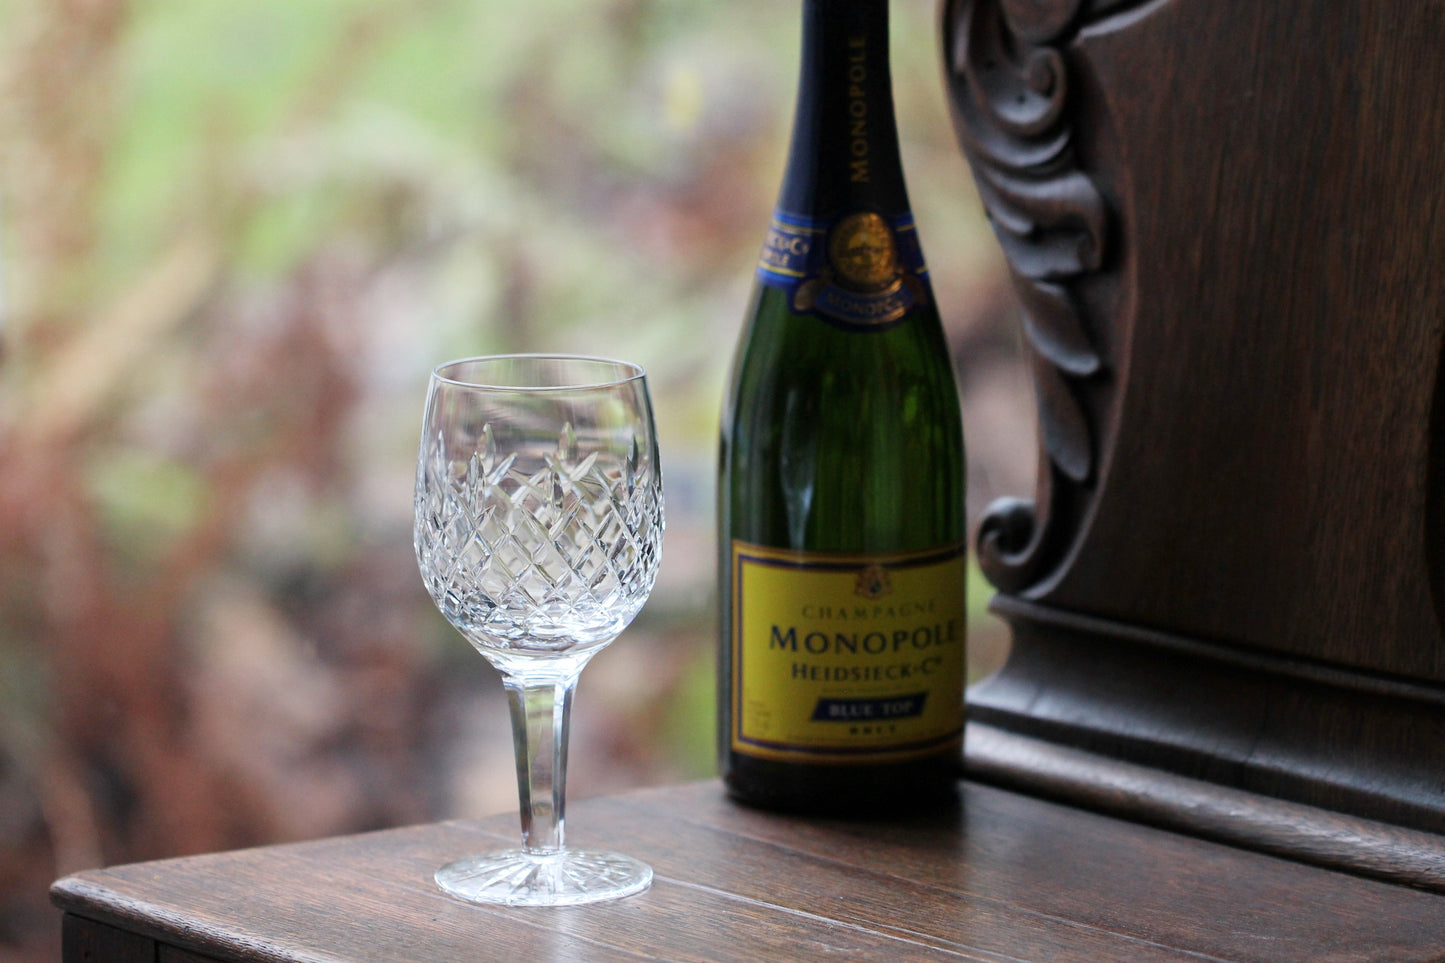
x: 1226, y: 222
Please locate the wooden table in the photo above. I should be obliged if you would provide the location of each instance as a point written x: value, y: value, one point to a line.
x: 1006, y: 877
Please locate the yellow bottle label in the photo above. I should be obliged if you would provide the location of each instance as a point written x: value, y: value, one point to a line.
x: 846, y: 658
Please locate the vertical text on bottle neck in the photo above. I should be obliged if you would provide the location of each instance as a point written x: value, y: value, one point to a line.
x: 858, y: 109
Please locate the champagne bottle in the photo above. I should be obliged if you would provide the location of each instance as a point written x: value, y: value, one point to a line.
x: 841, y: 475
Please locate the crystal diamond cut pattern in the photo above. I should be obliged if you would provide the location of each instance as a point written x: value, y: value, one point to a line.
x: 549, y: 550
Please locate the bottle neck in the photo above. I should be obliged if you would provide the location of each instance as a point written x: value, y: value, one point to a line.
x: 844, y: 154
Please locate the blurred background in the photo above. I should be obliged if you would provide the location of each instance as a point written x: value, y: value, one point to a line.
x: 235, y: 235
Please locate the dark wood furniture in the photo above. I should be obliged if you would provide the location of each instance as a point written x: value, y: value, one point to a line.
x: 1226, y: 221
x: 1005, y: 877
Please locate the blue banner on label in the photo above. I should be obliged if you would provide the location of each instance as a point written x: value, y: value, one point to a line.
x: 869, y: 710
x: 860, y: 270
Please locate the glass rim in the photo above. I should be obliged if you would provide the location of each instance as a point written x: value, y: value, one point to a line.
x: 625, y: 371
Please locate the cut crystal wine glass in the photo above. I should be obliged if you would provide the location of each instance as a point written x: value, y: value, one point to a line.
x: 538, y: 532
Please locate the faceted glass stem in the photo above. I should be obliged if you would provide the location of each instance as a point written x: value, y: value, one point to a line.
x: 541, y: 713
x: 543, y: 872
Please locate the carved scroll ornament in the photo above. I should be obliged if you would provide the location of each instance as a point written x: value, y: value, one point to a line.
x: 1009, y: 88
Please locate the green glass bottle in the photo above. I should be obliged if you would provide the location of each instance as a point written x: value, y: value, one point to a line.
x: 841, y: 476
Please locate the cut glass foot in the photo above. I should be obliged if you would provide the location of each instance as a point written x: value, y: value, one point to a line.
x: 568, y: 878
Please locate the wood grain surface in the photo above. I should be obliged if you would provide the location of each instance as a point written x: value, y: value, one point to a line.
x: 1001, y: 877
